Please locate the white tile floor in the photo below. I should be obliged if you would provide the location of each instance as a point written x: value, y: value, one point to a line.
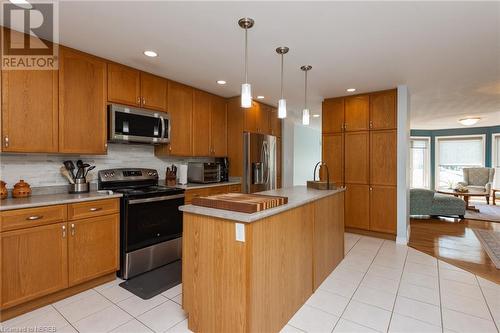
x: 379, y: 287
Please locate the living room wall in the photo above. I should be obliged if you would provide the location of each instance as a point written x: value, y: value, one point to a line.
x: 487, y: 131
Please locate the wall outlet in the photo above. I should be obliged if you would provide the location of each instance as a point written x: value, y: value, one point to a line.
x: 240, y: 232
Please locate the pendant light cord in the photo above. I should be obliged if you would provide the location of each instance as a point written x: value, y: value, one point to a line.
x: 246, y: 55
x: 282, y: 60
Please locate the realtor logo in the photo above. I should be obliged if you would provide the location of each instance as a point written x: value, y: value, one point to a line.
x: 29, y: 35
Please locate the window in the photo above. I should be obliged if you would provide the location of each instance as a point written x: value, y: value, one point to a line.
x: 420, y: 162
x: 455, y: 153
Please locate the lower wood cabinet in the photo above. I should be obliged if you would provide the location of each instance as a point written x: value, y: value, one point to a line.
x: 33, y: 263
x: 383, y: 209
x: 93, y: 247
x: 212, y: 190
x: 357, y: 206
x: 45, y: 255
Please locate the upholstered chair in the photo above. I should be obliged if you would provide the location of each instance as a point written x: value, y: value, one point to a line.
x: 479, y: 179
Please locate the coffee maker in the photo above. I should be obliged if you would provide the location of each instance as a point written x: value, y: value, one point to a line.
x: 224, y: 168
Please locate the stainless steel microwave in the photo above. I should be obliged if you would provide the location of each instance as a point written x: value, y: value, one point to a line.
x: 199, y: 172
x: 128, y: 124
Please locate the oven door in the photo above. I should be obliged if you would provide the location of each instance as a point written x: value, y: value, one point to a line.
x: 150, y: 221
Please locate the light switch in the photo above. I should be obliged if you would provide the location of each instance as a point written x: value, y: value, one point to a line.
x: 240, y: 232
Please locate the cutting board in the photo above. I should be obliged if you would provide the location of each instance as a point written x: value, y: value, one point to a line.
x: 241, y: 202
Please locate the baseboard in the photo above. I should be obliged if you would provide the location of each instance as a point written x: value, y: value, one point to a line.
x: 370, y: 233
x: 51, y: 298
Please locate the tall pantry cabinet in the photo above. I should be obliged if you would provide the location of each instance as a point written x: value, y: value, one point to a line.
x: 359, y: 147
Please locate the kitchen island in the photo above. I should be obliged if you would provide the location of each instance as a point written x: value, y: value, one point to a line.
x: 252, y: 272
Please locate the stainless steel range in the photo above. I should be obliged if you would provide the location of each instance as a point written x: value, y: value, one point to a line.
x: 150, y: 220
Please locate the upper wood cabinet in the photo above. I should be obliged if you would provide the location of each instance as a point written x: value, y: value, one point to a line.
x: 356, y: 154
x: 180, y: 106
x: 251, y: 117
x: 153, y: 92
x: 82, y: 103
x: 274, y: 122
x: 130, y: 86
x: 383, y: 157
x: 333, y: 155
x: 124, y: 85
x: 33, y: 263
x: 218, y: 126
x: 383, y: 110
x: 357, y: 113
x: 30, y: 111
x: 262, y: 118
x: 235, y: 127
x: 333, y: 115
x: 93, y: 248
x: 201, y: 121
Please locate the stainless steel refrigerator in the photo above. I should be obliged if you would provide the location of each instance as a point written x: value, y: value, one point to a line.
x: 259, y: 162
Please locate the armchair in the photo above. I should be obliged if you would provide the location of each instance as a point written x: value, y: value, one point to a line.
x: 478, y: 179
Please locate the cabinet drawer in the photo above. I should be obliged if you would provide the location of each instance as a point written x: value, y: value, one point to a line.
x: 218, y: 190
x: 234, y: 188
x: 190, y: 194
x: 93, y: 208
x: 31, y: 217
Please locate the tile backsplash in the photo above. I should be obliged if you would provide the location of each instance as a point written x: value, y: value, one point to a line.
x: 43, y: 169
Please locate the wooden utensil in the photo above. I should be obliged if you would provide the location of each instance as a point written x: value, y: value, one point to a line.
x: 66, y: 174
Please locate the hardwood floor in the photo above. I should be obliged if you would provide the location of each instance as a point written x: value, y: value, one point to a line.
x: 454, y: 241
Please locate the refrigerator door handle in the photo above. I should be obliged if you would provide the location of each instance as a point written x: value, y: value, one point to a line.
x: 266, y: 161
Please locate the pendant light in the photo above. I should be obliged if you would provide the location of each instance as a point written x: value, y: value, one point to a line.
x: 282, y: 50
x: 305, y: 111
x: 246, y: 89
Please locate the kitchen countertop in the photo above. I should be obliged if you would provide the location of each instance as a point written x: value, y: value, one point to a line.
x: 297, y: 196
x: 53, y: 199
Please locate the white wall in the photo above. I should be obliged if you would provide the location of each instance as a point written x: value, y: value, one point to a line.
x: 43, y: 169
x: 403, y: 169
x: 306, y: 153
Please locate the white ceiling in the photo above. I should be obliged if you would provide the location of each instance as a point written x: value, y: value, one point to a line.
x: 448, y: 53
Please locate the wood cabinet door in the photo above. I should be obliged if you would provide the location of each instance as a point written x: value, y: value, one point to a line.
x: 124, y: 85
x: 356, y: 156
x: 251, y: 117
x: 383, y: 209
x: 235, y: 128
x: 82, y: 103
x: 34, y: 263
x: 333, y: 115
x: 30, y: 111
x: 383, y: 157
x: 218, y: 126
x: 201, y: 123
x: 333, y: 156
x: 357, y: 206
x: 153, y: 92
x: 180, y: 106
x: 383, y: 113
x: 262, y: 118
x: 357, y: 113
x: 93, y: 245
x: 274, y: 122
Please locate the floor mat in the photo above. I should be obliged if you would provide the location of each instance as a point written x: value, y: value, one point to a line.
x: 486, y: 213
x: 152, y: 283
x: 490, y: 240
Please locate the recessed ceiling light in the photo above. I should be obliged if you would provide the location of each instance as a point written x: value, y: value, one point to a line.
x: 260, y: 97
x: 221, y: 82
x: 150, y: 53
x: 351, y: 90
x: 469, y: 121
x: 316, y: 116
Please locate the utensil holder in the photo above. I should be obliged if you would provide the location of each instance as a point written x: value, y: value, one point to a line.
x: 80, y: 186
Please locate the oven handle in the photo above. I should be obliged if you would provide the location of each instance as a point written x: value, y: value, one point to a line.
x: 163, y: 198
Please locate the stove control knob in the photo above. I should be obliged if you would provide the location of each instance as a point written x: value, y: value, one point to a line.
x: 106, y: 175
x: 150, y: 173
x: 112, y: 174
x: 154, y: 173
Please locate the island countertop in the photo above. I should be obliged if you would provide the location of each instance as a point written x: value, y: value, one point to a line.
x: 297, y: 196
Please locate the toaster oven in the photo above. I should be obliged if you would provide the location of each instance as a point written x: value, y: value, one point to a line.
x: 203, y: 172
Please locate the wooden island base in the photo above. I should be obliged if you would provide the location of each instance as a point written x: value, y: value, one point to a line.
x: 258, y: 284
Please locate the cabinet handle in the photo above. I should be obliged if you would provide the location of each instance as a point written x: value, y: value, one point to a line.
x: 138, y: 100
x: 72, y: 229
x: 6, y: 141
x: 371, y: 189
x: 143, y: 101
x: 95, y: 209
x: 170, y: 148
x: 345, y: 126
x: 371, y: 124
x: 34, y: 217
x: 63, y: 231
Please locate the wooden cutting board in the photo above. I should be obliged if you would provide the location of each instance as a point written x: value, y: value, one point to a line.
x: 241, y: 202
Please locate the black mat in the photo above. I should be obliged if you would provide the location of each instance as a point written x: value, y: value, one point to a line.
x: 152, y: 283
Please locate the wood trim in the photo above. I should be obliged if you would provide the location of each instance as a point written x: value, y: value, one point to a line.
x: 57, y: 296
x: 370, y: 233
